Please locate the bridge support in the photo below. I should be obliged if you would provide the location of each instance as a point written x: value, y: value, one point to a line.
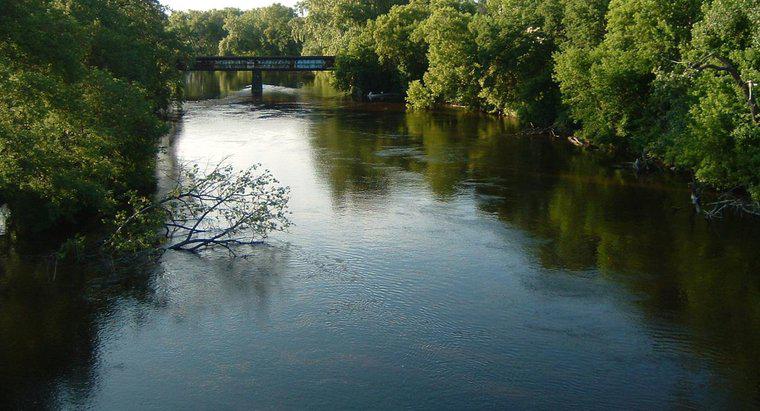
x: 257, y: 84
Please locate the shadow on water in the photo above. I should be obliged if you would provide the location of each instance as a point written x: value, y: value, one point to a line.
x: 51, y: 322
x: 56, y: 326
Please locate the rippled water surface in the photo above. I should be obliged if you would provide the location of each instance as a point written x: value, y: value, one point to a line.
x: 437, y: 261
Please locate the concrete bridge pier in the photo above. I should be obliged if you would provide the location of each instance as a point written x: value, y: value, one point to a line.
x: 257, y: 84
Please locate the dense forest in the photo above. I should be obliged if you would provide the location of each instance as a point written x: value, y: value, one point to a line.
x: 86, y: 84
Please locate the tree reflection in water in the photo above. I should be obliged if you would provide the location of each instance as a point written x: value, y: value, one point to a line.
x: 589, y: 217
x: 51, y: 323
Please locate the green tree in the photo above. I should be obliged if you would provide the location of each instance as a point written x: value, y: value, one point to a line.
x: 266, y: 31
x: 609, y: 88
x: 326, y: 22
x: 399, y: 43
x: 515, y: 40
x: 79, y: 120
x: 358, y: 69
x: 131, y: 41
x: 720, y: 136
x: 201, y: 31
x: 453, y: 71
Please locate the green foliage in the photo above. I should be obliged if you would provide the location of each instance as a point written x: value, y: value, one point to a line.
x: 668, y: 79
x: 219, y: 208
x: 515, y: 41
x: 326, y: 22
x: 398, y: 41
x: 359, y: 70
x: 201, y: 31
x: 583, y: 22
x: 43, y: 33
x: 366, y: 61
x: 138, y: 226
x: 720, y: 143
x: 78, y: 109
x: 130, y: 41
x: 82, y: 80
x: 608, y: 87
x: 265, y: 31
x: 418, y: 97
x: 719, y: 137
x: 453, y: 72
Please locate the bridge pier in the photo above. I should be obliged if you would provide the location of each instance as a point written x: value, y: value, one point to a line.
x: 257, y: 84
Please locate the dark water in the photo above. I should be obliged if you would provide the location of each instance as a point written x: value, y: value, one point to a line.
x: 437, y: 261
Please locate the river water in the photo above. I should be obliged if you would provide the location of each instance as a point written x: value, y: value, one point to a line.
x: 438, y: 260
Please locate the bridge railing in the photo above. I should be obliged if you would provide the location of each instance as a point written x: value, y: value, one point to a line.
x: 265, y: 63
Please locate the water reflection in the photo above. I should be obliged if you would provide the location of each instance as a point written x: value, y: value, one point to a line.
x: 202, y: 85
x: 590, y: 218
x: 436, y: 258
x: 53, y: 317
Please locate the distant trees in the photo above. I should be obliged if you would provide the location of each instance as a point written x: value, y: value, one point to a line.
x: 328, y: 25
x: 261, y: 31
x: 202, y: 31
x: 266, y: 31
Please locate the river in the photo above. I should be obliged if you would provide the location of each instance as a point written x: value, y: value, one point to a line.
x: 437, y: 260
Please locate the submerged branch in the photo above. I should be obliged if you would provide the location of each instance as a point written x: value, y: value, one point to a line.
x: 221, y: 208
x: 729, y: 202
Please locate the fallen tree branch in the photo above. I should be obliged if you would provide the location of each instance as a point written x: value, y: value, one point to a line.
x: 221, y: 208
x: 730, y: 202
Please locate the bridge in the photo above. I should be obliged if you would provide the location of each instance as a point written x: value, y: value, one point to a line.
x: 258, y: 64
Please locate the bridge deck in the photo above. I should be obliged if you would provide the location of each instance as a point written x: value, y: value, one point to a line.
x: 271, y: 63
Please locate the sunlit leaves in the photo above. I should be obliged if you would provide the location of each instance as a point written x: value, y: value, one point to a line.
x: 265, y: 31
x: 218, y: 208
x: 82, y: 83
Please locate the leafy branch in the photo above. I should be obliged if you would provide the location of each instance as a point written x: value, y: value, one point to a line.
x: 708, y: 62
x: 222, y: 208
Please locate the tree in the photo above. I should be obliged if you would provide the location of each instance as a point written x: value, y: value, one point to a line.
x: 399, y: 43
x: 515, y: 41
x: 267, y: 31
x: 201, y: 31
x: 327, y: 21
x: 720, y: 136
x: 358, y: 69
x: 220, y: 208
x: 609, y: 87
x: 130, y: 40
x: 79, y: 120
x: 452, y: 57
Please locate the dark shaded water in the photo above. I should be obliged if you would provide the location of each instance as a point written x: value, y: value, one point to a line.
x: 437, y: 261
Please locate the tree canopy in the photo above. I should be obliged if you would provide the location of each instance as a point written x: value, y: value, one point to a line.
x: 84, y: 84
x: 667, y: 80
x: 266, y: 31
